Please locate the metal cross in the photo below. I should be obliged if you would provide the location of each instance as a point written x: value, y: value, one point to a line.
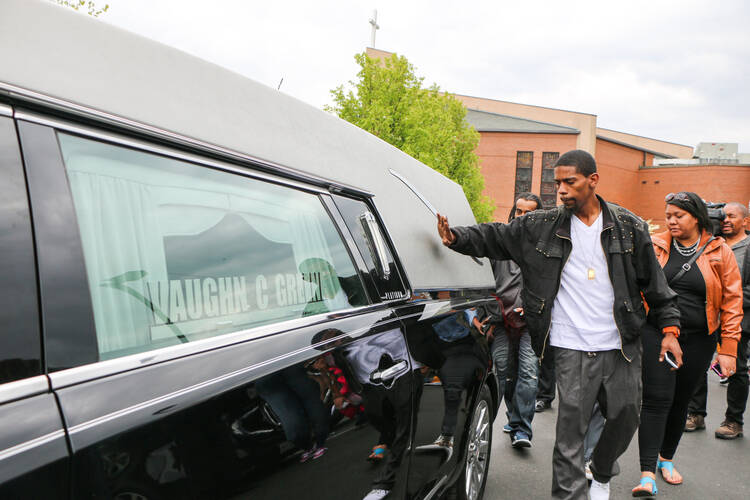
x: 375, y: 27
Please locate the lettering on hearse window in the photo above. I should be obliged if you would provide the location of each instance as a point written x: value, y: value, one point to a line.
x: 394, y: 295
x: 209, y: 283
x: 177, y: 302
x: 209, y: 297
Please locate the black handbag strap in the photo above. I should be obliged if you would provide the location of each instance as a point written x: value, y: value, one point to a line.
x: 687, y: 265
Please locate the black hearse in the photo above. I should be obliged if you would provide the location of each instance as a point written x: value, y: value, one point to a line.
x: 213, y: 290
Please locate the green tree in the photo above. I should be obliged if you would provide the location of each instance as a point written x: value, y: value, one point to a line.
x: 90, y: 6
x: 389, y: 101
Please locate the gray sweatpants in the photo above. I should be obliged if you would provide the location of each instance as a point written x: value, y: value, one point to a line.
x: 582, y: 379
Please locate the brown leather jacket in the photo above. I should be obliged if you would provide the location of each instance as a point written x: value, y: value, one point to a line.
x: 723, y: 287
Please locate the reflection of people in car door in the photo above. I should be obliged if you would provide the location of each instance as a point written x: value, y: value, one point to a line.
x: 335, y: 387
x: 458, y: 370
x: 295, y: 399
x: 387, y: 399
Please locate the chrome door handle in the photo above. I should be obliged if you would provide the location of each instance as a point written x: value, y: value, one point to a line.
x: 390, y: 373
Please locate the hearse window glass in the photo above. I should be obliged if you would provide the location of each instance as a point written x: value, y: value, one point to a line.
x: 355, y: 213
x: 177, y: 252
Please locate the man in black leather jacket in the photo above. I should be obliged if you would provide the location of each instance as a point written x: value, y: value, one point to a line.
x: 585, y: 265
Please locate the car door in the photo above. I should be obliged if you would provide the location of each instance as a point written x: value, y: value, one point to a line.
x: 227, y: 343
x: 33, y: 451
x: 424, y: 344
x: 455, y: 412
x: 454, y: 359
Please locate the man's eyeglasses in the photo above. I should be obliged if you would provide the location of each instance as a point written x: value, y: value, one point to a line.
x: 676, y: 196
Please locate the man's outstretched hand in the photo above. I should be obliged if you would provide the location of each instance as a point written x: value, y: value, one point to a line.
x: 444, y: 230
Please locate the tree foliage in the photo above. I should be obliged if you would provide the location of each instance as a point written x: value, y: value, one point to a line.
x: 89, y: 6
x: 389, y: 101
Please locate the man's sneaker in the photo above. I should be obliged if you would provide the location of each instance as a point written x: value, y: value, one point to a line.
x: 599, y: 491
x: 507, y: 429
x: 694, y: 422
x: 319, y: 452
x: 587, y: 470
x: 520, y: 440
x: 729, y: 430
x: 542, y: 405
x: 376, y: 494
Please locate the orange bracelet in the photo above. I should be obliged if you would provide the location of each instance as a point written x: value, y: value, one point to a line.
x: 671, y: 329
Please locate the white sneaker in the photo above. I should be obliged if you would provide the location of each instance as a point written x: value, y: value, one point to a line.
x: 598, y: 491
x: 376, y: 494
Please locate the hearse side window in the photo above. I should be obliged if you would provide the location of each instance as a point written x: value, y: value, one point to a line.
x: 372, y: 245
x: 177, y: 252
x: 20, y: 343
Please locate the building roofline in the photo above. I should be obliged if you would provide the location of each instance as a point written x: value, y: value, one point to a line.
x: 568, y: 130
x: 518, y: 131
x: 645, y: 137
x: 633, y: 146
x: 523, y: 104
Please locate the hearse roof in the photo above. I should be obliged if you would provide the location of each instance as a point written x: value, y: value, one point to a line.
x: 55, y: 55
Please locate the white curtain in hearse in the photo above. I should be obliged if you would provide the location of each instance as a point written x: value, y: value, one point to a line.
x: 176, y: 252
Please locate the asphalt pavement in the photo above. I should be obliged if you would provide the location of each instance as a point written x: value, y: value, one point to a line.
x: 712, y: 468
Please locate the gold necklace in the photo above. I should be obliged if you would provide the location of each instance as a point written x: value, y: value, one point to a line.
x: 590, y: 273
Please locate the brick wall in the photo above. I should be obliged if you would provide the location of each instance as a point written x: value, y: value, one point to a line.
x: 497, y: 159
x: 618, y: 168
x: 711, y: 182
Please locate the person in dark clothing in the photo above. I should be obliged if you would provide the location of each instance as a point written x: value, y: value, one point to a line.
x: 516, y: 364
x: 733, y: 230
x: 586, y: 264
x: 703, y: 272
x: 458, y: 370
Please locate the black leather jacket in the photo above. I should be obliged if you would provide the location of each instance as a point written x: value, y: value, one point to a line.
x: 539, y: 242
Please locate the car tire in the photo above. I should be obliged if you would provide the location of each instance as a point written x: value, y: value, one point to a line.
x: 477, y: 447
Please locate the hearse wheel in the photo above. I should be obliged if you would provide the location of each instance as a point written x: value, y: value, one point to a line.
x: 478, y: 445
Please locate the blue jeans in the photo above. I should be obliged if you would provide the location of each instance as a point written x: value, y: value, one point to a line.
x: 596, y: 426
x: 521, y: 407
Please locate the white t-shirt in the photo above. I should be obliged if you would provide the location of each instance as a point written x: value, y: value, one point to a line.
x: 582, y: 314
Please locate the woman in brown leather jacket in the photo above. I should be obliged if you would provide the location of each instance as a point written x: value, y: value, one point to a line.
x: 709, y: 291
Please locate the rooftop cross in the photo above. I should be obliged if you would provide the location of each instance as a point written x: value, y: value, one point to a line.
x: 375, y: 27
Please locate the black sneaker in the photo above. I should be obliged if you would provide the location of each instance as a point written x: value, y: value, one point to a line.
x: 542, y: 405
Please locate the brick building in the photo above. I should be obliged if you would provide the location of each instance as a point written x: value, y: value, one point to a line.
x: 519, y: 143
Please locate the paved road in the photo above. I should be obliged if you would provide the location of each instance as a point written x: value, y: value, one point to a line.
x: 712, y: 468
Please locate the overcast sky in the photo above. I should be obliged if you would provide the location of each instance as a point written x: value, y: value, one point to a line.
x: 672, y: 70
